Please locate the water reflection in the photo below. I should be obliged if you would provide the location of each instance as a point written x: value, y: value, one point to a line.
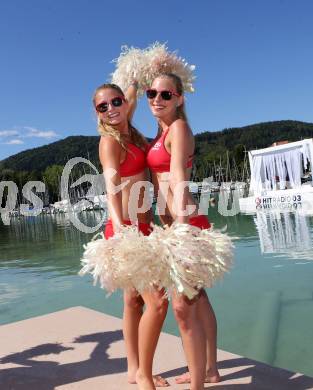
x: 43, y: 225
x: 46, y: 243
x: 8, y: 292
x: 285, y: 232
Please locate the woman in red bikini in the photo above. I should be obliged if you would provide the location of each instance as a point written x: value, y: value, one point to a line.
x: 170, y: 160
x: 122, y: 149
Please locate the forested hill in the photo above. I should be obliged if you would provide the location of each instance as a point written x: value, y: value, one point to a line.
x: 56, y: 153
x: 259, y: 135
x: 210, y: 145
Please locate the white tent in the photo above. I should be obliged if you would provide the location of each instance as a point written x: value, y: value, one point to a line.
x: 274, y: 165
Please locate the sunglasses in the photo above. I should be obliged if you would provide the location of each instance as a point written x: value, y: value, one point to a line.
x: 165, y: 95
x: 115, y: 102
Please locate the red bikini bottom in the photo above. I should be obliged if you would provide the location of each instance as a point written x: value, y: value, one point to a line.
x: 143, y: 227
x: 200, y: 221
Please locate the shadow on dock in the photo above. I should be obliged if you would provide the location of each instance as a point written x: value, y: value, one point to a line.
x: 44, y: 375
x: 97, y: 360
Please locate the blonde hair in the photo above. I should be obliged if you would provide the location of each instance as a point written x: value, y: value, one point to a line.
x: 106, y: 130
x: 180, y: 110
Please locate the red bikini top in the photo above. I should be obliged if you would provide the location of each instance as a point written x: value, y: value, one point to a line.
x: 135, y: 161
x: 158, y: 158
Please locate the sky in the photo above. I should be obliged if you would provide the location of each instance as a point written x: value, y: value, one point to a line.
x: 254, y: 62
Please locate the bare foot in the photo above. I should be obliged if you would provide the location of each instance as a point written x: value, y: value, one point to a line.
x: 210, y: 377
x: 131, y: 375
x: 144, y: 383
x: 159, y: 381
x: 183, y: 378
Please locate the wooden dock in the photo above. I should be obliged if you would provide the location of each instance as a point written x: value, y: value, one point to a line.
x: 82, y: 349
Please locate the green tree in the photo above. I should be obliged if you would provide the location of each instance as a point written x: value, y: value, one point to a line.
x: 239, y: 153
x: 52, y: 177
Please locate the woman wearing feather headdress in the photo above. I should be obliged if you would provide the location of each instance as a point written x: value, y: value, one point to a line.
x: 170, y: 159
x: 122, y: 155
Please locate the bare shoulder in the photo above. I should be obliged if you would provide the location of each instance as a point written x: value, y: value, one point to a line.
x: 180, y: 127
x: 108, y: 143
x: 109, y: 146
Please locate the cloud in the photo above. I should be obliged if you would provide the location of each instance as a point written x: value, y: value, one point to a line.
x: 32, y: 132
x: 8, y: 133
x: 19, y: 136
x: 26, y: 132
x: 14, y: 142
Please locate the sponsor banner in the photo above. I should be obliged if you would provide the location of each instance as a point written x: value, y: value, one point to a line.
x: 293, y: 201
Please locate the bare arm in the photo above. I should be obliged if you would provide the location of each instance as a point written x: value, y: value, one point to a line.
x: 110, y: 154
x: 131, y: 96
x: 181, y: 139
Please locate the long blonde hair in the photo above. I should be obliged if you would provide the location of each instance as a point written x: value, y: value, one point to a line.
x: 180, y: 110
x: 106, y: 130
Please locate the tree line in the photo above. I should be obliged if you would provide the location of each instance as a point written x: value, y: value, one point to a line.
x: 221, y: 154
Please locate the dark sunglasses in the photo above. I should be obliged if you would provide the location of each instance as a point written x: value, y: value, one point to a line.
x: 165, y: 95
x: 116, y: 102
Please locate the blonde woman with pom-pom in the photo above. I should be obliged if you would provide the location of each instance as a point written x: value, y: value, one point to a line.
x: 170, y: 160
x: 122, y: 151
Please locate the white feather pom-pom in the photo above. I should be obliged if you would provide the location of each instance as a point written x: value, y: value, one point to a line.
x: 181, y: 257
x: 196, y: 258
x: 129, y: 67
x: 146, y: 64
x: 125, y: 261
x: 160, y: 60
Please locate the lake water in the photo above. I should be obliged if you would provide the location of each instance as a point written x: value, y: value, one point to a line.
x: 264, y: 305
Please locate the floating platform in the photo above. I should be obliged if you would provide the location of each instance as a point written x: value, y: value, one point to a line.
x: 82, y: 349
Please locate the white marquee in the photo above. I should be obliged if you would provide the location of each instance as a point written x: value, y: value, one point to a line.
x: 272, y: 167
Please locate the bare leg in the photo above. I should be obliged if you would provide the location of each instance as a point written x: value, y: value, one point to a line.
x: 133, y: 309
x: 193, y: 337
x: 207, y: 317
x: 149, y: 331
